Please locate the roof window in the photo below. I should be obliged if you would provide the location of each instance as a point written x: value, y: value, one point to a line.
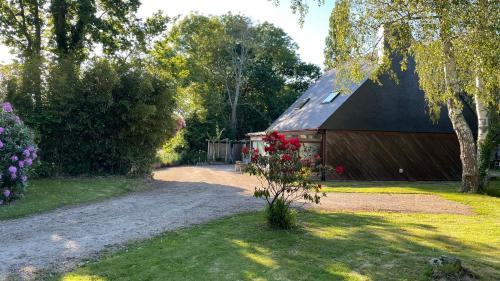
x: 302, y: 103
x: 331, y: 97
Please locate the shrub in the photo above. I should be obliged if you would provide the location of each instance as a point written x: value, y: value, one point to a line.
x: 493, y: 188
x: 280, y: 215
x: 109, y: 119
x: 18, y: 152
x: 285, y: 177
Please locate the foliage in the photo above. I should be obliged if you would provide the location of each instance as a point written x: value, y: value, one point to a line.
x: 199, y: 52
x: 329, y: 245
x: 171, y: 152
x: 300, y: 7
x: 18, y: 152
x: 285, y: 177
x: 79, y: 24
x: 280, y: 215
x: 416, y: 29
x: 44, y: 195
x: 71, y: 101
x: 493, y: 188
x: 491, y: 141
x: 454, y: 46
x: 122, y: 105
x: 168, y: 158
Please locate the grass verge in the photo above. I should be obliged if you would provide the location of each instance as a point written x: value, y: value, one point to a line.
x: 48, y: 194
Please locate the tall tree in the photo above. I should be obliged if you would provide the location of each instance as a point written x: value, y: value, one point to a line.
x: 79, y: 24
x: 21, y: 26
x: 443, y: 40
x: 238, y: 43
x: 217, y: 51
x: 231, y: 74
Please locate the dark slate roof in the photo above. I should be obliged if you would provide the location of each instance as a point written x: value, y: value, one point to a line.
x: 387, y: 106
x: 314, y: 113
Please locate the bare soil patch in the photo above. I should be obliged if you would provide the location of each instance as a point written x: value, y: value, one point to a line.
x: 385, y: 202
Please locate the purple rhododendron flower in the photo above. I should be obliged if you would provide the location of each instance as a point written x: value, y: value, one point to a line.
x: 26, y: 153
x: 31, y: 148
x: 7, y: 107
x: 13, y: 176
x: 14, y: 158
x: 1, y: 144
x: 6, y: 193
x: 21, y: 164
x: 12, y: 170
x: 28, y: 162
x: 2, y: 129
x: 24, y: 178
x: 17, y: 119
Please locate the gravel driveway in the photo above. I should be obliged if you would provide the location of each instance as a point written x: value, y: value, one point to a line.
x: 185, y: 196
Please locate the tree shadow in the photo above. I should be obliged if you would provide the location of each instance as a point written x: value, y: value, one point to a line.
x: 327, y: 246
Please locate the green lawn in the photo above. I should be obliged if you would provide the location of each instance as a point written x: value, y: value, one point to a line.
x: 48, y: 194
x: 391, y: 187
x: 327, y: 246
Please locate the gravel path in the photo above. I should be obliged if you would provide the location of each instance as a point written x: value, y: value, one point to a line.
x: 185, y: 196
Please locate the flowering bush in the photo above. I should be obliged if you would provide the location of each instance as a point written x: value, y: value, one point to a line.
x: 17, y: 153
x: 285, y: 177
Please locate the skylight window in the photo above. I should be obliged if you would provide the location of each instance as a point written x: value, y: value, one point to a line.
x: 331, y: 97
x: 302, y: 103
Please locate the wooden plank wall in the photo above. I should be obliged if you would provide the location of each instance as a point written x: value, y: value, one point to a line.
x: 379, y: 155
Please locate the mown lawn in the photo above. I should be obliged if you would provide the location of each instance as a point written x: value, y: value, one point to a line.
x: 48, y: 194
x: 327, y: 246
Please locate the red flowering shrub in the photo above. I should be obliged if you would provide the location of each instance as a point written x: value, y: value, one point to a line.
x: 244, y: 150
x: 285, y: 177
x: 339, y: 170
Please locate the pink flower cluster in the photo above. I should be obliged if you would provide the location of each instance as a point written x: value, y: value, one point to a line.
x: 18, y: 161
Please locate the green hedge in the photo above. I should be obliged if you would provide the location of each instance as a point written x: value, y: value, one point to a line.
x: 103, y: 118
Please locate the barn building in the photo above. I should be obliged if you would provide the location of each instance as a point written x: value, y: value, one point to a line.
x: 376, y: 131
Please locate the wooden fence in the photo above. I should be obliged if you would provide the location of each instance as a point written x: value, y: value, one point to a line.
x: 226, y: 151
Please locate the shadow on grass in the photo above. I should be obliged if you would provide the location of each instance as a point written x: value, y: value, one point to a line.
x: 327, y: 246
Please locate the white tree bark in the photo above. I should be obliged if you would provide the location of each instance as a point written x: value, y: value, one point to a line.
x: 482, y: 122
x: 468, y: 155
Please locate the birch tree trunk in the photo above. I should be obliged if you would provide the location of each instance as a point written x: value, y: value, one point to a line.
x: 468, y: 155
x: 482, y: 125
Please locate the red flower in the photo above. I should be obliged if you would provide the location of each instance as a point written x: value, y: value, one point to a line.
x: 317, y: 156
x: 270, y: 149
x: 281, y: 138
x: 284, y: 145
x: 286, y: 157
x: 295, y: 142
x: 255, y: 155
x: 340, y: 169
x: 244, y: 150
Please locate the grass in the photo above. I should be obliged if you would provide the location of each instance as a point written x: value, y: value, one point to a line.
x: 48, y: 194
x: 327, y: 246
x: 391, y: 187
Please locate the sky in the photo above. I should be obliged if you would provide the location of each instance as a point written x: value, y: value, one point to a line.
x: 310, y: 37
